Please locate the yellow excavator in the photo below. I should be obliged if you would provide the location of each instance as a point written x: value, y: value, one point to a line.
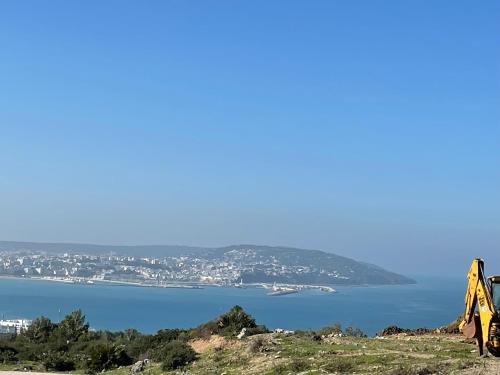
x: 481, y: 319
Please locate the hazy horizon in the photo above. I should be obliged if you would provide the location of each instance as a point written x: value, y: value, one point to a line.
x: 366, y: 129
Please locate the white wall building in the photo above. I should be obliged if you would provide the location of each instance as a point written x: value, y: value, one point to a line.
x: 14, y: 326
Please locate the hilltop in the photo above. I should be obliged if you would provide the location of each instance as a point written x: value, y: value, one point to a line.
x: 233, y: 344
x: 230, y: 264
x: 279, y: 354
x: 309, y: 354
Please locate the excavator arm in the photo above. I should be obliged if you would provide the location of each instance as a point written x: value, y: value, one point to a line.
x: 480, y: 317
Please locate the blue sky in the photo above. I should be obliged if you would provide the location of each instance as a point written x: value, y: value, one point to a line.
x: 366, y: 128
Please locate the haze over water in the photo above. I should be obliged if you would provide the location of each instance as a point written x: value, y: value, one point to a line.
x: 432, y: 302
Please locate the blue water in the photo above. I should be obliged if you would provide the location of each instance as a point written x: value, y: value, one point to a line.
x: 430, y: 303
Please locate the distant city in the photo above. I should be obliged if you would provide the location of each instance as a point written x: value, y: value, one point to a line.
x: 179, y: 271
x: 237, y: 266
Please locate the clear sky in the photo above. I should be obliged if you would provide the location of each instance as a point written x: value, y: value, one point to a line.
x: 366, y: 128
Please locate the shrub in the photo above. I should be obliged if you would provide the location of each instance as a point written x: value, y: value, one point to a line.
x: 8, y: 354
x: 330, y: 330
x: 177, y: 354
x: 30, y: 352
x: 234, y: 321
x: 354, y: 332
x: 58, y: 361
x: 230, y: 323
x: 205, y: 330
x: 256, y: 330
x: 298, y: 365
x: 294, y: 367
x: 166, y: 335
x: 106, y: 356
x: 341, y: 365
x: 141, y: 347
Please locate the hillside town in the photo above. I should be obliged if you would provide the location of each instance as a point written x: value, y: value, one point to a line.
x: 231, y: 269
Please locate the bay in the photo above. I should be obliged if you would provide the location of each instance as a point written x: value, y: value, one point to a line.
x: 432, y: 302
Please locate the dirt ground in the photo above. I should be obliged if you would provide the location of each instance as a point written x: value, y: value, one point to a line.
x: 202, y: 345
x: 491, y: 367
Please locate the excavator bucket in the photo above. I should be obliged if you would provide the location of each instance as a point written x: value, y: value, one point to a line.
x: 472, y: 329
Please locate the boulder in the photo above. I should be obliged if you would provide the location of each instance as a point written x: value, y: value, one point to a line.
x: 139, y: 366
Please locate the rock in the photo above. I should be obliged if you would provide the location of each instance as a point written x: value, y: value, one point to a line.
x: 241, y: 334
x: 139, y: 366
x: 395, y: 330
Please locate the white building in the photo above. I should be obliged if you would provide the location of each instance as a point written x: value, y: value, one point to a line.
x: 14, y: 326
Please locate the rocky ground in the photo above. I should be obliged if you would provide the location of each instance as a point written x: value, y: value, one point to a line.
x: 303, y: 353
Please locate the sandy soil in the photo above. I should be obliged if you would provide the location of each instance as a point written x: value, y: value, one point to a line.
x: 200, y: 346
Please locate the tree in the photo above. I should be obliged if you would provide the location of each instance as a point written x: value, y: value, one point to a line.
x: 235, y: 320
x: 73, y: 326
x: 39, y: 330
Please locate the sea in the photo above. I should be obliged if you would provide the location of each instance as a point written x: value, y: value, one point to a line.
x: 432, y: 302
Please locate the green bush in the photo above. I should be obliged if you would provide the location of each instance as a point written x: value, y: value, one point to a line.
x: 341, y: 365
x: 230, y: 324
x: 8, y: 354
x: 30, y: 352
x: 166, y: 335
x: 149, y: 346
x: 176, y: 354
x: 106, y: 356
x: 234, y: 321
x: 330, y: 330
x: 205, y: 330
x: 354, y: 332
x: 297, y: 365
x: 256, y: 330
x: 58, y: 361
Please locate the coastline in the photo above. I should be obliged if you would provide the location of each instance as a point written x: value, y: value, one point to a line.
x: 109, y: 282
x: 332, y: 288
x: 196, y: 285
x: 177, y: 285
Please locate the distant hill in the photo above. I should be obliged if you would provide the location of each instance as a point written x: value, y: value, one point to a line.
x: 91, y: 249
x: 307, y: 266
x: 257, y: 263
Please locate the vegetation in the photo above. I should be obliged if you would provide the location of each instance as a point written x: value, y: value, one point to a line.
x: 177, y: 354
x: 213, y: 348
x: 70, y: 345
x: 230, y: 324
